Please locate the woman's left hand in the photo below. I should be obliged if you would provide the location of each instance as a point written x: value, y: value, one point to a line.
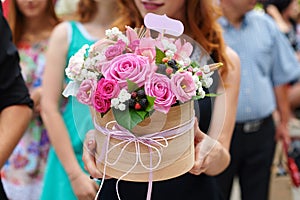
x: 211, y: 157
x: 88, y: 155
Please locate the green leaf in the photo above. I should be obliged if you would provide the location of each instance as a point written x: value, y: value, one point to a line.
x: 159, y: 56
x: 195, y: 64
x: 212, y: 95
x: 127, y: 118
x: 122, y: 117
x: 132, y: 86
x: 206, y: 95
x: 150, y: 103
x: 141, y: 113
x: 196, y: 98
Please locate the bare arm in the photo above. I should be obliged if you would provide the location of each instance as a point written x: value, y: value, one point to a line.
x: 13, y: 122
x: 276, y: 15
x: 283, y: 107
x: 212, y: 152
x: 294, y: 96
x: 52, y: 92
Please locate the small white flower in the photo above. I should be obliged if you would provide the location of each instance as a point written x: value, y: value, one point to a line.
x: 92, y: 75
x: 123, y: 38
x: 201, y: 93
x: 124, y: 96
x: 172, y: 47
x: 168, y: 45
x: 118, y: 103
x: 180, y: 63
x: 122, y: 106
x: 169, y: 53
x: 197, y: 82
x: 206, y: 69
x: 113, y: 33
x: 116, y: 31
x: 115, y: 103
x: 165, y: 43
x: 187, y: 61
x: 196, y: 69
x: 207, y: 82
x: 76, y: 64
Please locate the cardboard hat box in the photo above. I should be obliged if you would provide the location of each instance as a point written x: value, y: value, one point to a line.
x: 124, y: 161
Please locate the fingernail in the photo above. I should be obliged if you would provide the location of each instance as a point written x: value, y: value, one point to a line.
x: 95, y: 179
x: 90, y: 142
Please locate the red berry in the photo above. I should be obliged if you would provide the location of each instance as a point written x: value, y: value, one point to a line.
x: 133, y: 95
x: 169, y: 70
x: 165, y: 59
x: 137, y: 106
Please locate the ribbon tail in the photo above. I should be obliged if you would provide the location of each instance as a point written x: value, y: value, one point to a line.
x: 137, y: 149
x: 150, y: 183
x: 104, y: 169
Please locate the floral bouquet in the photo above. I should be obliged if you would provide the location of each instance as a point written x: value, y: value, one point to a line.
x: 140, y: 89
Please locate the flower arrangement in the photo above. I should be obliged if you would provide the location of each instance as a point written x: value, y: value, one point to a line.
x: 135, y: 74
x: 141, y: 89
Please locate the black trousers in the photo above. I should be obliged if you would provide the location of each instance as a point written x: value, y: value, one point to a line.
x: 251, y: 159
x: 2, y: 192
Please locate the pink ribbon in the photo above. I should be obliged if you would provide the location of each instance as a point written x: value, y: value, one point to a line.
x: 155, y: 142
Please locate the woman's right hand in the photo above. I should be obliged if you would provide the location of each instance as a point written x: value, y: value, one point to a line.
x: 83, y: 187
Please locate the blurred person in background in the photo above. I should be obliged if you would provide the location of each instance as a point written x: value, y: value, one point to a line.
x: 268, y: 64
x: 286, y: 14
x: 66, y: 9
x: 65, y: 177
x: 31, y: 23
x: 15, y: 103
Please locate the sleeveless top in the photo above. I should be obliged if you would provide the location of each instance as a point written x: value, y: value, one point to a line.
x: 56, y: 182
x: 187, y: 186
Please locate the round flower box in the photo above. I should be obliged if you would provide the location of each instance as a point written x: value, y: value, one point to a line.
x: 136, y: 160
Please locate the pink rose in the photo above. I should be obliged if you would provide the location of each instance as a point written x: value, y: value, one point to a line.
x: 86, y: 91
x: 100, y: 104
x: 183, y: 86
x: 159, y: 86
x: 128, y: 66
x: 115, y: 50
x: 108, y: 88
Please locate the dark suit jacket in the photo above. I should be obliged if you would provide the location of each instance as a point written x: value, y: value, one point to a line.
x: 13, y: 90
